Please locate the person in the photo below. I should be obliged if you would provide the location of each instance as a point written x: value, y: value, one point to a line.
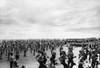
x: 0, y: 53
x: 52, y: 49
x: 8, y: 54
x: 81, y: 62
x: 94, y: 60
x: 52, y: 60
x: 63, y: 59
x: 17, y: 55
x: 25, y: 52
x: 45, y: 58
x: 60, y: 50
x: 11, y: 60
x: 70, y: 59
x: 40, y: 59
x: 15, y: 63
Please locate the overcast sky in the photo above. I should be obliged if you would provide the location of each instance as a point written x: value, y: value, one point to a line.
x: 49, y: 19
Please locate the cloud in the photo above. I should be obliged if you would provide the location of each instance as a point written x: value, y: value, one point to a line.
x: 48, y: 11
x: 89, y: 29
x: 25, y: 17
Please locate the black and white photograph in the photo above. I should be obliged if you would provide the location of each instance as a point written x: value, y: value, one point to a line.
x: 49, y: 33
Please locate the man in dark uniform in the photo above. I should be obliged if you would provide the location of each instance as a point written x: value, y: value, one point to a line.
x: 1, y: 53
x: 94, y: 60
x: 53, y: 61
x: 40, y: 59
x: 81, y: 62
x: 60, y: 50
x: 70, y: 60
x: 63, y: 58
x: 11, y: 60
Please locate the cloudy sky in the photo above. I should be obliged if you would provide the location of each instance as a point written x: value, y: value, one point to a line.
x: 49, y: 19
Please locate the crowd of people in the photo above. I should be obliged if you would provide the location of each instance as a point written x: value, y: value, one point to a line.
x: 89, y: 53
